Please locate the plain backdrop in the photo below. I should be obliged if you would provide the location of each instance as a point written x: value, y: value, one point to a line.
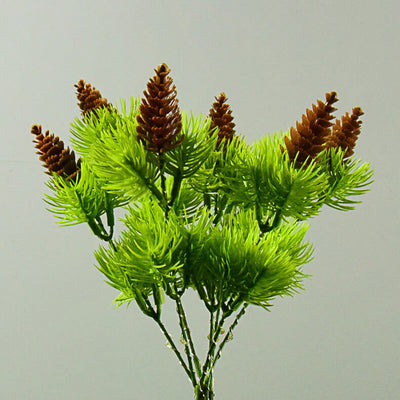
x: 60, y: 336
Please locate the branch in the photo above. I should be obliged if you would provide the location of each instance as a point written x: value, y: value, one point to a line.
x: 153, y: 314
x: 228, y: 335
x: 187, y: 338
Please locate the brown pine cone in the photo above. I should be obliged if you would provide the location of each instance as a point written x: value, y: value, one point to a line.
x: 221, y: 117
x: 346, y: 131
x: 55, y: 157
x: 160, y: 119
x: 89, y: 97
x: 309, y: 136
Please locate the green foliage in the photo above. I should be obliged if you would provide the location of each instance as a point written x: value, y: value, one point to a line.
x: 224, y: 221
x: 274, y: 184
x: 118, y: 159
x: 236, y: 261
x: 148, y: 253
x: 83, y: 200
x: 187, y: 202
x: 208, y: 212
x: 223, y: 169
x: 197, y: 147
x: 346, y: 179
x: 90, y: 131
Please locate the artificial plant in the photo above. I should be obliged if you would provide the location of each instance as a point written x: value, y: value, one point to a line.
x: 204, y: 209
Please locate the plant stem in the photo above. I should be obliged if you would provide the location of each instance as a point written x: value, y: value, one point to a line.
x: 185, y: 339
x: 211, y: 334
x: 264, y: 226
x: 153, y: 189
x: 277, y: 219
x: 98, y: 229
x: 214, y: 334
x: 203, y: 393
x: 156, y: 318
x: 187, y: 336
x: 175, y: 187
x: 228, y: 335
x: 161, y: 160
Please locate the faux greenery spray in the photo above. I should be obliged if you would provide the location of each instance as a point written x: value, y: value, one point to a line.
x: 204, y: 209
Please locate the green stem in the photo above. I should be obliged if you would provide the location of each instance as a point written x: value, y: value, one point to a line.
x: 207, y: 200
x: 153, y: 314
x: 98, y: 229
x: 187, y: 336
x: 211, y: 334
x: 175, y: 187
x: 153, y: 189
x: 203, y: 393
x: 277, y: 219
x: 206, y: 371
x: 228, y: 309
x: 185, y: 339
x: 161, y: 160
x: 107, y: 236
x: 157, y: 299
x: 113, y: 245
x: 220, y: 205
x: 264, y: 226
x: 109, y: 211
x: 228, y: 335
x: 95, y: 224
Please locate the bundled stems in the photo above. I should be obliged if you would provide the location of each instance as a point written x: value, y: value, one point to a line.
x: 228, y: 335
x: 147, y: 308
x: 201, y: 377
x: 187, y: 340
x: 186, y: 334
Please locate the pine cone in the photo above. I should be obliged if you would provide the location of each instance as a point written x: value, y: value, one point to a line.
x: 160, y: 119
x: 89, y: 98
x: 55, y: 157
x: 221, y: 117
x: 309, y: 136
x: 346, y: 131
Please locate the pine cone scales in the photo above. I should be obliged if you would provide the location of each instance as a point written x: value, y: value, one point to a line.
x: 221, y: 117
x: 89, y: 97
x: 159, y: 121
x: 309, y: 136
x: 346, y: 131
x: 55, y: 157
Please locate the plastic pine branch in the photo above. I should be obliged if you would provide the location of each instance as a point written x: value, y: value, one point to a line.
x: 345, y: 132
x: 55, y: 157
x: 309, y: 137
x: 160, y: 120
x: 228, y: 227
x: 221, y: 117
x: 89, y: 97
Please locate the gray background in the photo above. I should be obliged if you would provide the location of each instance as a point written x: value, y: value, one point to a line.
x: 60, y: 336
